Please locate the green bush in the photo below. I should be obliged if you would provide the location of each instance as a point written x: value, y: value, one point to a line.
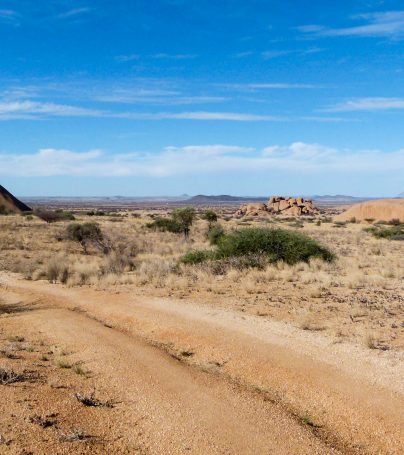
x: 215, y: 234
x: 197, y: 256
x: 165, y: 225
x: 210, y: 216
x: 85, y: 234
x: 185, y: 218
x: 255, y: 246
x: 277, y: 244
x: 392, y: 233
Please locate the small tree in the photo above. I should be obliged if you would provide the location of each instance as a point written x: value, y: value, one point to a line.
x: 185, y: 217
x: 210, y: 216
x: 86, y: 234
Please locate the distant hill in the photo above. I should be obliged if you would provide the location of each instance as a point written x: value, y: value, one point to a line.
x: 9, y: 203
x: 339, y: 198
x: 204, y: 199
x: 401, y: 194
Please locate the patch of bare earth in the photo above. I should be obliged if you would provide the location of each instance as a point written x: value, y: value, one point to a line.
x: 185, y: 378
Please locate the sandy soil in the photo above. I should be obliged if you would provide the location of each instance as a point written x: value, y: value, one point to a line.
x: 184, y: 378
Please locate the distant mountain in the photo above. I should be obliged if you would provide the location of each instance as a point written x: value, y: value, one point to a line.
x: 337, y: 197
x: 10, y: 203
x: 204, y: 199
x: 401, y: 194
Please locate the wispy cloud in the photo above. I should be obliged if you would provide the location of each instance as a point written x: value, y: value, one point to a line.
x: 273, y: 54
x: 156, y: 96
x: 20, y: 110
x: 175, y: 56
x: 267, y: 55
x: 74, y: 12
x: 15, y: 110
x: 266, y: 86
x: 127, y: 58
x: 380, y: 24
x: 201, y: 159
x: 367, y: 104
x: 9, y: 16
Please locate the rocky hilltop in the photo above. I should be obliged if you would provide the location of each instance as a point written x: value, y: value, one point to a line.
x: 9, y: 203
x: 279, y: 205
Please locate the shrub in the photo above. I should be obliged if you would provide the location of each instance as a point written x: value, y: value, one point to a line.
x: 185, y: 217
x: 255, y: 246
x: 57, y: 269
x: 85, y: 234
x: 215, y: 234
x: 165, y: 225
x: 52, y: 216
x: 197, y: 256
x: 395, y: 222
x: 210, y: 216
x: 277, y: 244
x: 392, y: 233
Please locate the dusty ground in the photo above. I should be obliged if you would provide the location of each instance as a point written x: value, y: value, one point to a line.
x: 287, y: 360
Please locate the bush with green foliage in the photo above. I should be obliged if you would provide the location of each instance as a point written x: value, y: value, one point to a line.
x: 215, y: 234
x: 185, y: 218
x: 197, y: 256
x: 210, y: 216
x: 86, y: 234
x: 255, y: 246
x: 390, y: 233
x: 277, y: 244
x: 165, y: 225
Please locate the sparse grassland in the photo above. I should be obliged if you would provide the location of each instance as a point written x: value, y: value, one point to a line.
x: 358, y: 293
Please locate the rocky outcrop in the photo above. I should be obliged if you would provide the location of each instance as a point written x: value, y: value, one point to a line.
x: 289, y: 206
x: 10, y: 204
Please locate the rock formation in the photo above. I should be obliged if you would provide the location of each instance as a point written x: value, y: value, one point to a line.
x: 378, y: 210
x: 10, y: 204
x: 278, y: 205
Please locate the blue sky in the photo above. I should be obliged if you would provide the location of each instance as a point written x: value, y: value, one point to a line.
x: 164, y: 97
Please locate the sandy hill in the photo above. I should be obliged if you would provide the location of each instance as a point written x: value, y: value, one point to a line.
x: 9, y: 203
x: 379, y: 210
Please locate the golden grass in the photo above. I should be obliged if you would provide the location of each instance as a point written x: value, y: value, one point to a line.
x: 366, y: 279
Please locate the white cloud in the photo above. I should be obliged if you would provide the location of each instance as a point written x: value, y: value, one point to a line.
x: 155, y: 96
x: 29, y: 109
x: 297, y: 157
x: 266, y: 86
x: 9, y: 16
x: 203, y: 115
x: 267, y: 55
x: 74, y: 13
x: 368, y: 104
x: 18, y: 110
x: 379, y: 24
x: 175, y: 56
x: 127, y: 58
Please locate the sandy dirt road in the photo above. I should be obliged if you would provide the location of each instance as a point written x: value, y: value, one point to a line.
x: 188, y: 379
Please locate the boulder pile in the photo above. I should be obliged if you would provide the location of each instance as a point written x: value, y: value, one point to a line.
x: 278, y: 205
